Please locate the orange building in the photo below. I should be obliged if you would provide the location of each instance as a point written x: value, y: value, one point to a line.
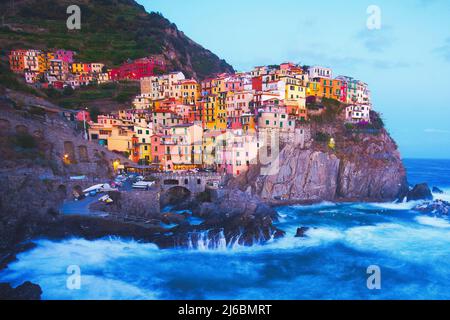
x: 325, y: 88
x: 17, y: 60
x: 337, y: 89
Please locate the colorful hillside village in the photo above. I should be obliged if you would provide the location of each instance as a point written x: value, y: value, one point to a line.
x: 58, y: 69
x: 218, y: 124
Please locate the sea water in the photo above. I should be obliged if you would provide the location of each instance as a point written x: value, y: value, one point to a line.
x: 412, y: 251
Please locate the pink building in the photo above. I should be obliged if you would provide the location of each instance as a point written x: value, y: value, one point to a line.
x: 65, y: 55
x: 158, y: 151
x: 239, y: 152
x: 234, y: 84
x: 83, y: 115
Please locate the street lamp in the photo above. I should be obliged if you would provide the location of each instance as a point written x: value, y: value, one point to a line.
x: 116, y: 165
x: 84, y: 124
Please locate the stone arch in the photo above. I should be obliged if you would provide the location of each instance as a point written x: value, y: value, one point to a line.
x: 5, y: 125
x: 177, y: 194
x: 21, y: 129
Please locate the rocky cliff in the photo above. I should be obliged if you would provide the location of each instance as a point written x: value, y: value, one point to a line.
x: 364, y: 166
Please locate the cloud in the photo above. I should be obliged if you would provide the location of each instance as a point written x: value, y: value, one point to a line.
x: 437, y: 131
x: 345, y: 61
x: 444, y: 50
x: 376, y: 41
x: 389, y: 64
x: 428, y: 3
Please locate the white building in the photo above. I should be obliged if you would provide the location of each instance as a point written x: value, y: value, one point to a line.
x: 357, y: 113
x: 31, y: 60
x: 141, y: 102
x: 30, y: 77
x: 96, y: 67
x: 320, y: 72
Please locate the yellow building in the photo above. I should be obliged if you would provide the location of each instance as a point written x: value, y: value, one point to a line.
x: 221, y: 112
x: 295, y: 92
x: 214, y: 114
x: 43, y: 64
x: 78, y: 68
x: 120, y: 140
x: 190, y: 92
x: 314, y: 89
x: 145, y: 152
x: 209, y: 107
x: 217, y: 85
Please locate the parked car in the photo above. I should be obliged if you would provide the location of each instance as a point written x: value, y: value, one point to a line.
x: 143, y: 185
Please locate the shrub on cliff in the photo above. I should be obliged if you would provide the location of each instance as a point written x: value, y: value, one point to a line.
x: 376, y: 120
x: 322, y: 137
x: 25, y: 141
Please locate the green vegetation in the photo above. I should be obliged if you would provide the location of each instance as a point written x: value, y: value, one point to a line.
x: 322, y: 137
x: 10, y: 80
x: 112, y: 31
x: 376, y: 120
x: 24, y: 141
x: 331, y: 109
x: 94, y: 112
x: 122, y: 92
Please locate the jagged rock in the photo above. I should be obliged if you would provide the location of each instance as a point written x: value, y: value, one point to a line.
x: 238, y: 215
x: 437, y: 190
x: 369, y: 169
x: 301, y: 232
x: 26, y: 291
x: 173, y: 218
x: 420, y: 192
x: 435, y: 207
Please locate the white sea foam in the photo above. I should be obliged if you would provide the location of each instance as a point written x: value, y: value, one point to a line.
x: 433, y: 222
x: 442, y: 196
x: 409, y: 241
x: 321, y: 205
x: 388, y: 205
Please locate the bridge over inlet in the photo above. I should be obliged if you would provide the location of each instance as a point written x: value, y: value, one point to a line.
x: 194, y: 182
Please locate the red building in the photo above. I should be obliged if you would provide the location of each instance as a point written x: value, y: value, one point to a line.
x: 344, y: 90
x: 137, y: 69
x: 257, y: 83
x: 58, y: 84
x: 135, y: 149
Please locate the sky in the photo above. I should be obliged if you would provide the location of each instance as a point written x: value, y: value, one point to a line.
x: 406, y: 62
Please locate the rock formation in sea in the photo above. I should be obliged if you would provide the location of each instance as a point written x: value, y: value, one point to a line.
x: 26, y: 291
x: 436, y: 207
x: 420, y: 192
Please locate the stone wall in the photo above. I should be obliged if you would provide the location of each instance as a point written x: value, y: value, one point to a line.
x: 60, y: 144
x: 133, y: 204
